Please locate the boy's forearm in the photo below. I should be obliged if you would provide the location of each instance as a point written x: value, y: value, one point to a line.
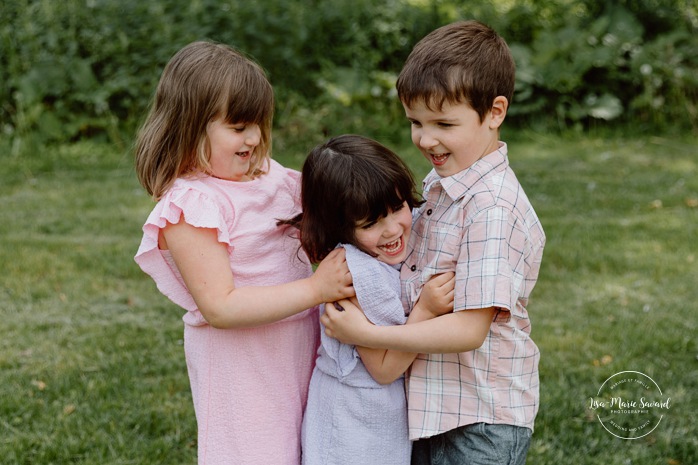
x: 452, y: 333
x: 420, y: 313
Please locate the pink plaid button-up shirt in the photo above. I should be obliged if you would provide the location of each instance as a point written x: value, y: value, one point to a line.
x: 480, y: 224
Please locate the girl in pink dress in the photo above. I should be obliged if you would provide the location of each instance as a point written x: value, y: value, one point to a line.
x: 213, y: 246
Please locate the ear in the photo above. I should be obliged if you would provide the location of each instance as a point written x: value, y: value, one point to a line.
x: 498, y: 111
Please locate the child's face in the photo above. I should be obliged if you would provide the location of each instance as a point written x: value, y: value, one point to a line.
x: 231, y: 148
x: 453, y: 138
x: 387, y: 238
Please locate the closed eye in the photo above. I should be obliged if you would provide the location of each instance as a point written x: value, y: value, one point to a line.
x: 237, y: 127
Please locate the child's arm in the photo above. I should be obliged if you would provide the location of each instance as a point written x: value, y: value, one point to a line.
x: 204, y: 265
x: 385, y: 366
x: 451, y: 333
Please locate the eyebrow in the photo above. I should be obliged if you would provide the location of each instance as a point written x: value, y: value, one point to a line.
x: 435, y: 120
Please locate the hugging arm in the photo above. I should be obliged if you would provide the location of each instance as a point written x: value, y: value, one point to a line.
x: 385, y: 366
x: 450, y: 333
x: 204, y: 265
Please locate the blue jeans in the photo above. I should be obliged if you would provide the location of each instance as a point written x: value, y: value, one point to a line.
x: 476, y: 444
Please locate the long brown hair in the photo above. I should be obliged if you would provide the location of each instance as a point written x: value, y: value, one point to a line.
x: 202, y: 82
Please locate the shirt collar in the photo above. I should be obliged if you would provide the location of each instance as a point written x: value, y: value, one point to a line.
x: 458, y: 184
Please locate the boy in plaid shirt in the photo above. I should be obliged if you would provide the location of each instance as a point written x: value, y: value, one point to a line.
x: 473, y: 390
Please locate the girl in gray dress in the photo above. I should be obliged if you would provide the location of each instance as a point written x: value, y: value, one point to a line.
x: 359, y: 195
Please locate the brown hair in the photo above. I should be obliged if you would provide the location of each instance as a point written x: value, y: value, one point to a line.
x: 202, y: 82
x: 462, y: 62
x: 348, y: 180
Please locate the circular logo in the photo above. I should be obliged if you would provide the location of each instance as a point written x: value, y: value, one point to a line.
x: 629, y: 405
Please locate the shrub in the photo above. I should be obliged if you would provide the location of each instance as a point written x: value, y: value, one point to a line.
x: 88, y: 68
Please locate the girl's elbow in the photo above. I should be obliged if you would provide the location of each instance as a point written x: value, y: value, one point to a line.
x: 386, y: 379
x: 215, y: 318
x: 225, y: 318
x: 214, y: 322
x: 382, y: 376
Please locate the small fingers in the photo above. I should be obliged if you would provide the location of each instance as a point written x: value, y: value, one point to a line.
x: 338, y: 307
x: 451, y: 282
x: 442, y: 278
x: 326, y: 317
x: 338, y: 254
x: 343, y: 303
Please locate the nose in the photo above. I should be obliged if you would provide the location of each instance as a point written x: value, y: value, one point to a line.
x: 426, y: 140
x: 392, y: 226
x: 253, y: 135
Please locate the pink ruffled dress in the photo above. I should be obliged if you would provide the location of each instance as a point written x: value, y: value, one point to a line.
x: 249, y: 386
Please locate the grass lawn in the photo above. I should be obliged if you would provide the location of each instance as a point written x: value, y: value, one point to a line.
x: 91, y: 360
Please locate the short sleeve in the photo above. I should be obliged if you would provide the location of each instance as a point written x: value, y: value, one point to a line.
x: 490, y: 266
x: 198, y: 209
x: 377, y: 287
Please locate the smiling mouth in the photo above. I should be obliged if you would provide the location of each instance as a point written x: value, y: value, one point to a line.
x: 393, y: 248
x: 243, y: 154
x: 439, y: 158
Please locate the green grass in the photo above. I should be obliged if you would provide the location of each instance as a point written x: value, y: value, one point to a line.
x: 91, y: 361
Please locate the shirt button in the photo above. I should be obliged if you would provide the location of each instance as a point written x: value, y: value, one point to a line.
x: 413, y: 268
x: 429, y: 212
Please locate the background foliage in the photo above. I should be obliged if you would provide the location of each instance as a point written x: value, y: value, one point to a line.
x: 84, y: 68
x: 91, y: 364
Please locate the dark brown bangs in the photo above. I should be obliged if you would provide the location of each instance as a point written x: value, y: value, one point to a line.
x: 379, y: 189
x: 347, y: 182
x: 372, y: 203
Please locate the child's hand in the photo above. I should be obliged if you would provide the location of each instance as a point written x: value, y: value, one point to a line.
x: 332, y: 280
x: 437, y: 294
x: 345, y: 322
